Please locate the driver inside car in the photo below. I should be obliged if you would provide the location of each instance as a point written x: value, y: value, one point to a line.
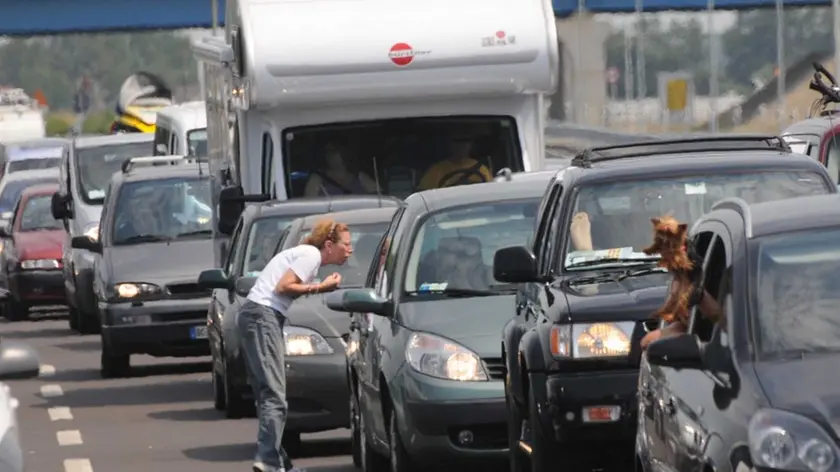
x: 458, y: 169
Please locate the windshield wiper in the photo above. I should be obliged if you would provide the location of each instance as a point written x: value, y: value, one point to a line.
x: 143, y: 238
x: 200, y: 232
x: 639, y: 272
x: 455, y: 292
x: 612, y: 260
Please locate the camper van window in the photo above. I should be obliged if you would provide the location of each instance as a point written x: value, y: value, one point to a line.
x: 832, y: 163
x: 96, y: 165
x: 402, y: 155
x: 197, y: 140
x: 161, y: 138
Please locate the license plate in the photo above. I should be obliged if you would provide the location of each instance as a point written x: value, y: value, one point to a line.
x: 198, y: 332
x: 601, y: 414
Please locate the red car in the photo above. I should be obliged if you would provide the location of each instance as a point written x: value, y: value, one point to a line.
x: 31, y: 254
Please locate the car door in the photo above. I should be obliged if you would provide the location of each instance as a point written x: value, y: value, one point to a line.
x: 222, y: 299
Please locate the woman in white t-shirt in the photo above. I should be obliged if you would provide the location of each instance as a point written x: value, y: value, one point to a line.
x: 287, y: 276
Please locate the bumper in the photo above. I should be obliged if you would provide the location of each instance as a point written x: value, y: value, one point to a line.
x: 567, y: 395
x: 38, y: 287
x: 164, y: 328
x: 435, y: 412
x: 316, y: 389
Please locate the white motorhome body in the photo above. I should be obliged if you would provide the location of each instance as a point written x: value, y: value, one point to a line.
x: 21, y: 118
x: 286, y: 67
x: 181, y: 129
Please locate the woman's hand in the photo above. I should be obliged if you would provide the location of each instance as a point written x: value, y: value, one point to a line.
x: 330, y: 283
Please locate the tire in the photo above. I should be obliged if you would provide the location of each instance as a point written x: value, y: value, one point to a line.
x: 355, y: 436
x: 292, y: 443
x: 518, y: 459
x: 73, y: 317
x: 15, y: 310
x: 88, y: 323
x: 219, y: 400
x: 399, y: 459
x: 114, y: 365
x: 236, y: 405
x: 542, y: 458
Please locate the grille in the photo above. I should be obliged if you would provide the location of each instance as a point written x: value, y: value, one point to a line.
x: 188, y: 290
x: 495, y: 367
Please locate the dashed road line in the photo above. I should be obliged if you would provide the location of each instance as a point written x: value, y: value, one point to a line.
x: 51, y: 390
x: 58, y: 413
x: 77, y: 465
x: 69, y: 438
x: 46, y: 370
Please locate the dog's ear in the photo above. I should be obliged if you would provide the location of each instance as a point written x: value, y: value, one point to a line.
x: 682, y: 228
x: 656, y: 221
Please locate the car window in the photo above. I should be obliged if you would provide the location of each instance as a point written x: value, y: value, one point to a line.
x: 197, y: 140
x: 263, y: 240
x: 454, y: 248
x: 32, y: 164
x: 613, y: 220
x: 10, y: 192
x: 163, y: 209
x: 37, y: 215
x: 96, y: 165
x: 797, y: 293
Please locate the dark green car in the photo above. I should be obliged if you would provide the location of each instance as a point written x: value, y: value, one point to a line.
x: 424, y: 355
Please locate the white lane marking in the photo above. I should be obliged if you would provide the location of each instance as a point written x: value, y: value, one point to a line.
x: 46, y: 370
x: 60, y: 413
x: 77, y: 465
x: 51, y: 391
x: 69, y: 438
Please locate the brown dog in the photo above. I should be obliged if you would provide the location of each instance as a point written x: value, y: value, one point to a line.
x: 669, y: 241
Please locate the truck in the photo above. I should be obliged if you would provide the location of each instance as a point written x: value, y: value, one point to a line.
x: 395, y: 86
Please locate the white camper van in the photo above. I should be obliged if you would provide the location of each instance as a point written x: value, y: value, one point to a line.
x: 397, y: 87
x: 181, y: 129
x: 21, y: 118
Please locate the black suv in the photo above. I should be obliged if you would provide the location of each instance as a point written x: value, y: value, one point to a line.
x: 154, y: 241
x: 754, y: 390
x: 587, y: 291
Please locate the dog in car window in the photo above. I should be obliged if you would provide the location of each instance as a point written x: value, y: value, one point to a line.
x: 670, y: 241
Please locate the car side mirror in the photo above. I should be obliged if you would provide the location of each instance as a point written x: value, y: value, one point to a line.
x: 516, y: 264
x: 213, y: 278
x: 680, y: 351
x: 18, y: 360
x: 244, y: 285
x: 231, y: 206
x: 84, y: 242
x: 58, y: 206
x: 358, y: 300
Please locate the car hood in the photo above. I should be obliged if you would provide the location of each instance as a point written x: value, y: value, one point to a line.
x: 595, y: 298
x: 46, y: 244
x: 474, y: 322
x: 161, y: 262
x: 803, y: 386
x: 312, y: 312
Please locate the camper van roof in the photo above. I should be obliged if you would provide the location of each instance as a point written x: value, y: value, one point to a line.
x: 106, y: 139
x: 191, y: 114
x: 410, y: 51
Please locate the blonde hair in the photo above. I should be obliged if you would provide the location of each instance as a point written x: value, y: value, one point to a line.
x: 323, y: 231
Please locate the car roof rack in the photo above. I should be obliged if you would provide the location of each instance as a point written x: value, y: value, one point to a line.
x: 158, y: 161
x: 727, y: 142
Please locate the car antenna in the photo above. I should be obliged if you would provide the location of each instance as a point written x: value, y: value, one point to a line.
x: 376, y: 181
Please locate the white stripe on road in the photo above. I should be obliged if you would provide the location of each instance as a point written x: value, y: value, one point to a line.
x: 77, y: 465
x: 60, y: 413
x: 51, y: 391
x: 46, y: 370
x: 69, y: 438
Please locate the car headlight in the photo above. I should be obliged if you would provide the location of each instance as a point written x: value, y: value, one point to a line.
x: 783, y: 440
x: 92, y: 231
x: 304, y: 342
x: 40, y: 264
x: 438, y: 357
x: 134, y: 290
x: 591, y: 340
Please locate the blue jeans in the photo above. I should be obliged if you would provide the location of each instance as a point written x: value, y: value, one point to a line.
x: 264, y: 350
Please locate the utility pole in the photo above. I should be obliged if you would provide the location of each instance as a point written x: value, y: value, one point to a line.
x: 714, y: 50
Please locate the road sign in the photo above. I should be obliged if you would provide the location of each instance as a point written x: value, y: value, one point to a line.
x: 613, y: 75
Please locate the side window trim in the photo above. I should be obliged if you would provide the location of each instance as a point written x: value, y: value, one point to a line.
x: 383, y: 264
x: 229, y: 259
x: 267, y: 162
x: 545, y: 229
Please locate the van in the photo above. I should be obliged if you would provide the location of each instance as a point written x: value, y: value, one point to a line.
x: 181, y: 129
x: 86, y: 169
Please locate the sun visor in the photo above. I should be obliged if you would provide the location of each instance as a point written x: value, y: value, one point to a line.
x: 336, y: 51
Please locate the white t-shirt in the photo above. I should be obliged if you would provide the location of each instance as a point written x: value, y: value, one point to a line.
x: 303, y: 260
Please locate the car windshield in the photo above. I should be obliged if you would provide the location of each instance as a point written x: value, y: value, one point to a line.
x: 10, y: 191
x: 454, y: 248
x: 96, y: 165
x: 612, y: 221
x: 162, y: 210
x: 794, y: 307
x: 364, y: 239
x: 197, y: 140
x: 31, y: 164
x: 262, y: 241
x: 37, y: 215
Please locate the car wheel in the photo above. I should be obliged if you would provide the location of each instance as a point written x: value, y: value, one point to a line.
x: 219, y: 402
x: 88, y: 322
x: 399, y: 460
x: 114, y: 365
x: 236, y: 405
x: 371, y: 461
x: 518, y: 458
x: 15, y: 310
x: 73, y: 317
x: 355, y: 437
x: 542, y: 458
x: 292, y: 443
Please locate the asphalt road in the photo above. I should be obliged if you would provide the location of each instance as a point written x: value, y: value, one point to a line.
x: 162, y: 418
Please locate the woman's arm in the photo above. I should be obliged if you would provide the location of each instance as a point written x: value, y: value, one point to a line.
x: 670, y: 330
x: 710, y: 308
x: 313, y: 186
x: 290, y: 284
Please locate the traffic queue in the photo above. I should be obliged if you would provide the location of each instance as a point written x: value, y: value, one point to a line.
x: 478, y: 324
